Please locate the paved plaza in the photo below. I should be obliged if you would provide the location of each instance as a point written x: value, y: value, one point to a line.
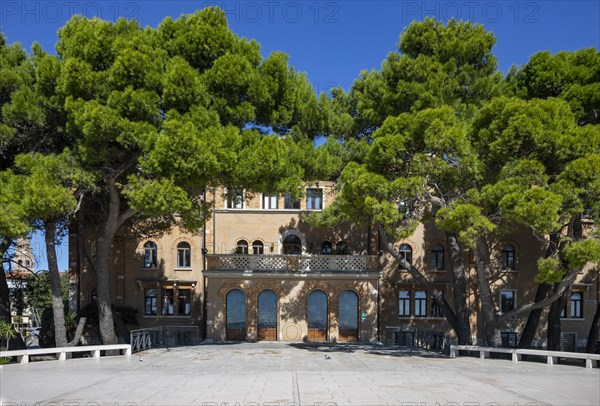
x: 278, y: 374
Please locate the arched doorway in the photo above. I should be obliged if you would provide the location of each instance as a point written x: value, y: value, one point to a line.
x: 235, y: 316
x: 317, y: 316
x: 267, y: 316
x: 348, y: 316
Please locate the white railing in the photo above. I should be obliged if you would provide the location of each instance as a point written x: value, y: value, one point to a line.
x: 517, y: 353
x: 297, y: 263
x: 63, y: 352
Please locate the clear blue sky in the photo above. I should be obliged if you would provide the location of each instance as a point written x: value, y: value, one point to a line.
x: 332, y: 41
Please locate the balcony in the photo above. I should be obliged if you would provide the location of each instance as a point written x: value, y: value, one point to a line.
x: 293, y: 263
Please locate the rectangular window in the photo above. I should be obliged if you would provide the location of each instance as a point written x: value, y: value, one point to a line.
x: 314, y: 199
x: 168, y: 305
x: 184, y: 256
x: 290, y: 203
x: 150, y: 302
x: 436, y: 309
x: 184, y: 302
x: 507, y: 300
x: 235, y: 198
x: 404, y: 303
x: 576, y: 305
x: 420, y: 303
x: 509, y: 339
x: 270, y: 201
x: 508, y: 258
x: 437, y: 258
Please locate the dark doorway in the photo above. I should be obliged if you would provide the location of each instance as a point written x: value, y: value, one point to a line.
x: 317, y: 316
x: 267, y: 316
x: 348, y: 316
x: 236, y: 316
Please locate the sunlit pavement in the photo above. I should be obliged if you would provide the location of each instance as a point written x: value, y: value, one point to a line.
x: 286, y: 374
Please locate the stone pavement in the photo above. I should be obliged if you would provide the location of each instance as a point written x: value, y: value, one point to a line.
x: 277, y: 374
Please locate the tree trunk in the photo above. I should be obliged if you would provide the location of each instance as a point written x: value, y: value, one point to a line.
x: 58, y: 309
x: 78, y: 333
x: 554, y: 326
x: 533, y: 320
x: 104, y: 239
x: 593, y: 334
x: 490, y: 327
x: 459, y: 290
x: 105, y: 316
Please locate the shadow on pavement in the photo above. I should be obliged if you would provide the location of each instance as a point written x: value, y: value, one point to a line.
x: 375, y: 349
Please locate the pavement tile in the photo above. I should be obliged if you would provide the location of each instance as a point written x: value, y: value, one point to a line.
x: 280, y: 374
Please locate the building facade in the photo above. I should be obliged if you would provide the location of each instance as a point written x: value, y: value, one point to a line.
x: 259, y: 271
x: 22, y: 267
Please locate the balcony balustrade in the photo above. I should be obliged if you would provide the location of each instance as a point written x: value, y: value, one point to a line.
x: 293, y: 263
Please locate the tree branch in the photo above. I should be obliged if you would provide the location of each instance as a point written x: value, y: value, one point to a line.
x: 562, y: 286
x: 420, y: 278
x: 78, y: 333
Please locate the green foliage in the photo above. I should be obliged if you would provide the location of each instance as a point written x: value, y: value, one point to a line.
x: 410, y: 147
x: 439, y: 65
x: 580, y: 184
x: 13, y: 216
x: 6, y: 332
x: 536, y: 207
x: 580, y: 253
x: 47, y: 189
x: 506, y: 129
x: 39, y: 290
x: 572, y: 76
x: 466, y: 221
x: 176, y: 109
x: 549, y: 270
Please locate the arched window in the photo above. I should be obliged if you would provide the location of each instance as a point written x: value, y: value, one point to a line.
x: 267, y: 316
x: 437, y: 257
x: 27, y: 263
x: 184, y: 255
x: 242, y: 247
x: 317, y: 316
x: 150, y: 255
x: 348, y: 316
x: 292, y: 245
x: 341, y: 248
x: 406, y: 252
x: 326, y: 248
x: 508, y: 258
x: 258, y: 248
x: 236, y: 316
x: 20, y: 262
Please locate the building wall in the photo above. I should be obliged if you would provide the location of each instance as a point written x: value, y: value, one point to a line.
x: 292, y: 296
x: 269, y: 223
x: 253, y: 222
